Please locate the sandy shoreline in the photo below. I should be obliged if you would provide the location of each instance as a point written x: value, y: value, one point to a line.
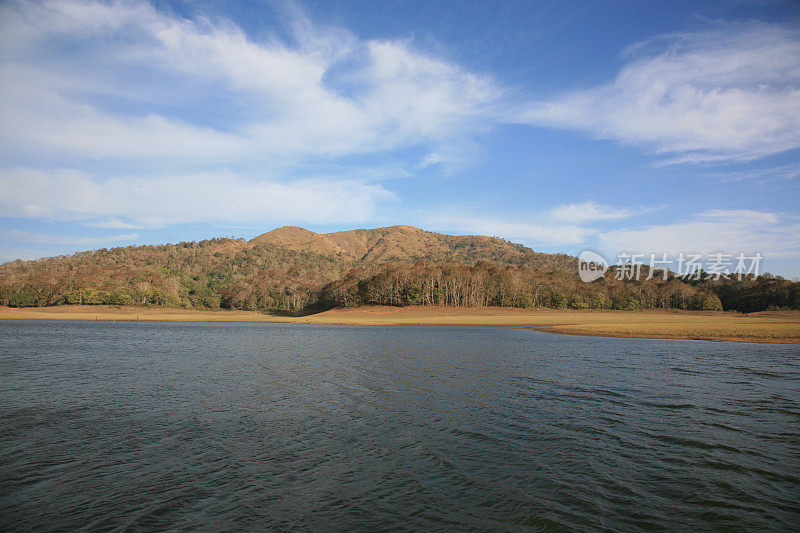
x: 774, y: 327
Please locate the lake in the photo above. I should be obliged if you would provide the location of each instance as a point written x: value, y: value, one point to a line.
x: 152, y: 426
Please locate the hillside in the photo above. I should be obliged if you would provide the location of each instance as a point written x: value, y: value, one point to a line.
x: 294, y: 269
x: 407, y: 243
x: 302, y: 240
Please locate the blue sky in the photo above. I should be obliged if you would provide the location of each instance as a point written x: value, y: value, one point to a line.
x: 650, y: 127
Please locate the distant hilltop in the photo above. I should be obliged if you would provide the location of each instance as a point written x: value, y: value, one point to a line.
x: 403, y: 243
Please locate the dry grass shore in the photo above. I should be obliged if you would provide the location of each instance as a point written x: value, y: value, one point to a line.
x: 773, y: 326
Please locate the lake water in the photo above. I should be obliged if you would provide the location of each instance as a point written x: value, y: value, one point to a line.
x: 151, y: 426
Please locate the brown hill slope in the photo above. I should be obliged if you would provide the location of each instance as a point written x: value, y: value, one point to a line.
x: 301, y: 240
x: 402, y: 242
x: 406, y: 243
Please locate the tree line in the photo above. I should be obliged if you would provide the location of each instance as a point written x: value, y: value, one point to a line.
x: 490, y: 284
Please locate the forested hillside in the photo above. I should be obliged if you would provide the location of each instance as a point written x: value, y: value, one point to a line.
x: 295, y: 269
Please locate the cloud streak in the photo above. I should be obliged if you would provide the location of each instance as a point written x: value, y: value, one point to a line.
x: 542, y: 232
x: 220, y: 197
x: 70, y: 240
x: 731, y: 231
x: 729, y: 94
x: 591, y: 212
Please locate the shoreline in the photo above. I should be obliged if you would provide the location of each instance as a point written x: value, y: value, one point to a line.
x: 780, y: 327
x: 588, y: 333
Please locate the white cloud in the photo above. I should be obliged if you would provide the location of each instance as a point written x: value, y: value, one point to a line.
x: 747, y: 217
x: 202, y: 197
x: 37, y: 118
x: 760, y: 175
x: 590, y: 211
x: 325, y: 93
x: 728, y: 94
x: 564, y: 225
x: 424, y: 96
x: 111, y: 223
x: 729, y: 231
x: 42, y: 238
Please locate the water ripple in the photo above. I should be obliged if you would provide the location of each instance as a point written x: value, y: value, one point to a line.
x: 146, y: 426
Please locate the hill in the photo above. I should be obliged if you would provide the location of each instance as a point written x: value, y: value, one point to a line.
x: 286, y: 268
x: 294, y: 269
